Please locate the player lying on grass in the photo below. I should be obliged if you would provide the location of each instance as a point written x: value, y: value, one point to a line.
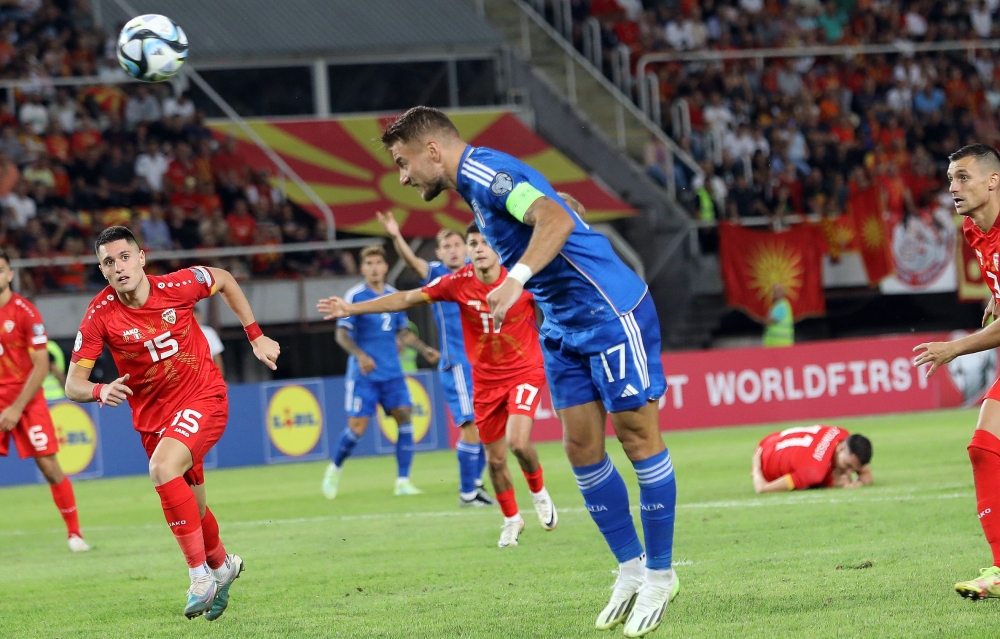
x: 24, y: 364
x: 375, y: 375
x: 811, y: 457
x: 507, y: 371
x: 974, y: 183
x: 177, y: 395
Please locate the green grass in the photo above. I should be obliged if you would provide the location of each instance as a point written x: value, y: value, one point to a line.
x: 371, y: 565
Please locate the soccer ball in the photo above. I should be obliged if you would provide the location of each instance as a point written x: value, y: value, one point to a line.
x: 152, y: 48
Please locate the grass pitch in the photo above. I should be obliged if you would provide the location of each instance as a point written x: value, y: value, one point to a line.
x: 876, y: 562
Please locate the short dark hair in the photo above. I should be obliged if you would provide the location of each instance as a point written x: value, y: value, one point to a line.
x: 374, y: 249
x: 982, y: 152
x: 113, y: 234
x: 416, y: 122
x: 472, y: 228
x: 4, y: 256
x: 860, y: 447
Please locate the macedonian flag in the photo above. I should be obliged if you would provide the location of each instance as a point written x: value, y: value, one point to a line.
x: 865, y: 206
x: 342, y: 161
x: 754, y: 261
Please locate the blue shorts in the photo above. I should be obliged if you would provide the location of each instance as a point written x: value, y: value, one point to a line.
x: 457, y: 383
x: 608, y: 363
x: 361, y: 395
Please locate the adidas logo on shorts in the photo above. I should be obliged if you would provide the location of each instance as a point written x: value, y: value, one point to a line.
x: 629, y: 391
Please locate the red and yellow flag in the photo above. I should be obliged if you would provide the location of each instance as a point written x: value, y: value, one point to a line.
x: 343, y: 162
x: 753, y: 262
x: 865, y: 207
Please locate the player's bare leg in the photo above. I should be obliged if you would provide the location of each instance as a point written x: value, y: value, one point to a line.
x: 503, y: 484
x: 519, y: 439
x: 62, y: 495
x: 469, y: 448
x: 984, y: 452
x: 167, y: 465
x: 639, y: 433
x: 404, y: 452
x: 356, y: 427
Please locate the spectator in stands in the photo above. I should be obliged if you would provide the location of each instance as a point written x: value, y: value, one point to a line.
x: 65, y: 110
x: 40, y: 172
x: 242, y: 225
x: 181, y: 167
x: 118, y: 178
x: 150, y: 167
x: 86, y: 174
x: 142, y: 108
x: 33, y: 114
x: 655, y: 160
x: 180, y: 106
x: 9, y: 175
x: 19, y: 206
x: 72, y: 278
x: 155, y: 231
x: 10, y: 145
x: 779, y: 327
x: 183, y: 229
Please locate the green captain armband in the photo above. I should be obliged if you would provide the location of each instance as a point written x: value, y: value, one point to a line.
x: 521, y: 199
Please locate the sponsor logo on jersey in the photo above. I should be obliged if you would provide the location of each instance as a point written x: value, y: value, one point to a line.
x: 984, y: 513
x: 420, y: 414
x: 38, y: 329
x: 8, y: 325
x: 177, y: 523
x: 502, y: 184
x: 475, y: 303
x: 294, y: 420
x: 161, y: 285
x: 131, y: 334
x: 170, y: 316
x: 78, y: 344
x: 77, y: 437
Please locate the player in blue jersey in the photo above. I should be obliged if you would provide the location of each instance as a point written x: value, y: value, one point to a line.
x: 454, y: 369
x: 374, y: 374
x: 600, y: 339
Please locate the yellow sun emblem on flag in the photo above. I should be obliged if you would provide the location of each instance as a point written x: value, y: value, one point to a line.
x: 842, y: 235
x: 775, y: 263
x: 873, y: 232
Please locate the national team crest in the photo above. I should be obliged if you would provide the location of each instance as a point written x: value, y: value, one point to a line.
x: 170, y: 316
x: 8, y: 325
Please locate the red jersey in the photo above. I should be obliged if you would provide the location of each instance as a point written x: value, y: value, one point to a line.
x: 803, y: 456
x: 159, y: 346
x: 21, y: 332
x: 987, y: 247
x: 497, y: 353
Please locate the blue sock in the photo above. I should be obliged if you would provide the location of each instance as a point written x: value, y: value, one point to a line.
x: 468, y: 462
x: 481, y: 464
x: 606, y: 498
x: 404, y: 449
x: 658, y: 501
x: 348, y: 440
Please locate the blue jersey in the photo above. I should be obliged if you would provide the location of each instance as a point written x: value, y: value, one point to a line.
x: 374, y: 334
x: 586, y: 285
x: 449, y: 323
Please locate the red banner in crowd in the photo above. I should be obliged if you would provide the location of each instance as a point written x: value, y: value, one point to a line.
x: 865, y: 207
x: 753, y: 262
x: 818, y: 381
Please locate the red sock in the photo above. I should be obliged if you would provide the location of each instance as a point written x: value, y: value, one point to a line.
x: 215, y: 552
x: 181, y: 510
x: 535, y: 482
x: 508, y: 504
x: 984, y: 451
x: 62, y: 494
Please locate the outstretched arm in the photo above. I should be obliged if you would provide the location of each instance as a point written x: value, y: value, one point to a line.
x: 940, y: 353
x: 80, y: 389
x: 391, y: 227
x: 553, y: 226
x: 11, y: 415
x: 338, y: 308
x: 264, y: 348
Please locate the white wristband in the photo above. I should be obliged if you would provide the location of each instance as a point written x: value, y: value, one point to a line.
x: 521, y: 272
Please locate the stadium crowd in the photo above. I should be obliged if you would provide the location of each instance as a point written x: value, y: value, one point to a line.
x: 75, y: 160
x: 796, y: 135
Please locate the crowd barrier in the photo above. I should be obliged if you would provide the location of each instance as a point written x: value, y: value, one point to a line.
x: 298, y: 420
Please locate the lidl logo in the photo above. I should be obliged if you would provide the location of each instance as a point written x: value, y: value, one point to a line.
x: 77, y: 437
x: 420, y: 414
x: 294, y: 420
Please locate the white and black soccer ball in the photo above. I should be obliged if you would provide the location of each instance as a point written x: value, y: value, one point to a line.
x: 152, y: 48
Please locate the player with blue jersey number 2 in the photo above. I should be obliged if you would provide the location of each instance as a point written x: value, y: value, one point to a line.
x: 600, y: 341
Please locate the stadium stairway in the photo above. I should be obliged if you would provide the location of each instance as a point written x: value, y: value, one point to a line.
x: 576, y: 110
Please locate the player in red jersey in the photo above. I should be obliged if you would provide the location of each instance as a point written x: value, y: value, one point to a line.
x: 507, y: 371
x: 974, y: 183
x: 24, y: 363
x: 177, y: 395
x: 811, y: 457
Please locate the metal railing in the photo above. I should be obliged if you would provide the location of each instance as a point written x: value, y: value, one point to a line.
x: 592, y: 47
x: 621, y: 69
x: 562, y: 17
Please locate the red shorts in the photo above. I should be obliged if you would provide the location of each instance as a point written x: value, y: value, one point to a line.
x: 494, y: 404
x: 34, y: 435
x: 198, y: 427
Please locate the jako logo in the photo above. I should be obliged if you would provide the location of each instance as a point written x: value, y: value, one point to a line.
x: 177, y: 523
x: 984, y: 513
x: 596, y: 509
x: 649, y: 507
